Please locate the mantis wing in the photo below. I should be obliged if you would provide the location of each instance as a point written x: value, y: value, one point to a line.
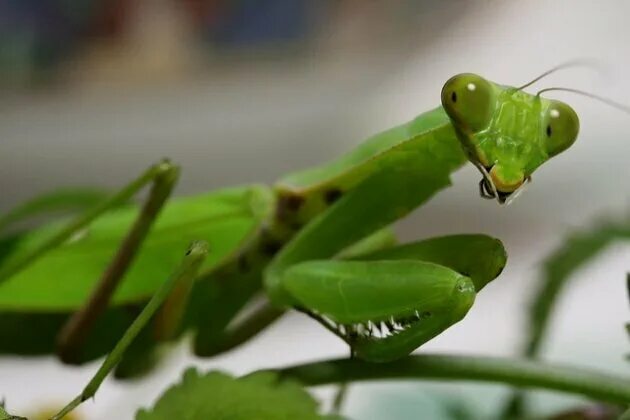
x: 61, y: 201
x: 62, y: 279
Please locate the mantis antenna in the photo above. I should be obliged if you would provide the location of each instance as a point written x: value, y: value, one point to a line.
x: 621, y: 107
x: 573, y: 63
x: 576, y: 63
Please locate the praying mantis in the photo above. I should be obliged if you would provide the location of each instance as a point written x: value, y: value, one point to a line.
x: 317, y: 241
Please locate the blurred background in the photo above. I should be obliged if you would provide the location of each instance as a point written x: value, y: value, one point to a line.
x: 93, y: 92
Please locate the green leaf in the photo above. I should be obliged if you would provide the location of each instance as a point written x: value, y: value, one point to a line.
x: 577, y: 251
x: 63, y: 278
x: 218, y: 396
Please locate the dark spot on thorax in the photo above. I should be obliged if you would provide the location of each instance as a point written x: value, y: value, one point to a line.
x: 293, y: 202
x: 287, y: 205
x: 242, y: 262
x: 269, y: 245
x: 295, y: 225
x: 270, y: 248
x: 332, y: 195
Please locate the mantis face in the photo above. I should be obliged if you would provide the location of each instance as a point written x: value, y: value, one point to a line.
x: 506, y: 132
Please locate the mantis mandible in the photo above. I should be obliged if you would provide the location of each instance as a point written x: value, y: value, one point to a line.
x: 317, y: 241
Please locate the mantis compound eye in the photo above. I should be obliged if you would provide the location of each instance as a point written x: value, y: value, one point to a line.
x: 469, y: 100
x: 561, y: 126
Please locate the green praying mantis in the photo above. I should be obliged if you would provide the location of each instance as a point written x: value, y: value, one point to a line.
x: 317, y: 241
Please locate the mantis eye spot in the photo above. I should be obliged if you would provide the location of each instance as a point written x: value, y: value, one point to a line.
x: 562, y: 127
x: 469, y: 100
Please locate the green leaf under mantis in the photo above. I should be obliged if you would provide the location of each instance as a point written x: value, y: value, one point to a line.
x: 218, y: 396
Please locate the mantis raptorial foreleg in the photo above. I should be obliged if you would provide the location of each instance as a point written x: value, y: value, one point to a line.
x: 386, y: 304
x: 186, y: 273
x: 242, y: 328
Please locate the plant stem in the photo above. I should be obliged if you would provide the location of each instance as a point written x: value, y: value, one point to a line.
x: 520, y: 373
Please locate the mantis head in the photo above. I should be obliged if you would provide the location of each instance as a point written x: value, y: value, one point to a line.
x: 505, y: 132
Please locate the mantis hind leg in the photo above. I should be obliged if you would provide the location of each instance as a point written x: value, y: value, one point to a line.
x: 163, y: 177
x: 153, y: 174
x: 74, y: 333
